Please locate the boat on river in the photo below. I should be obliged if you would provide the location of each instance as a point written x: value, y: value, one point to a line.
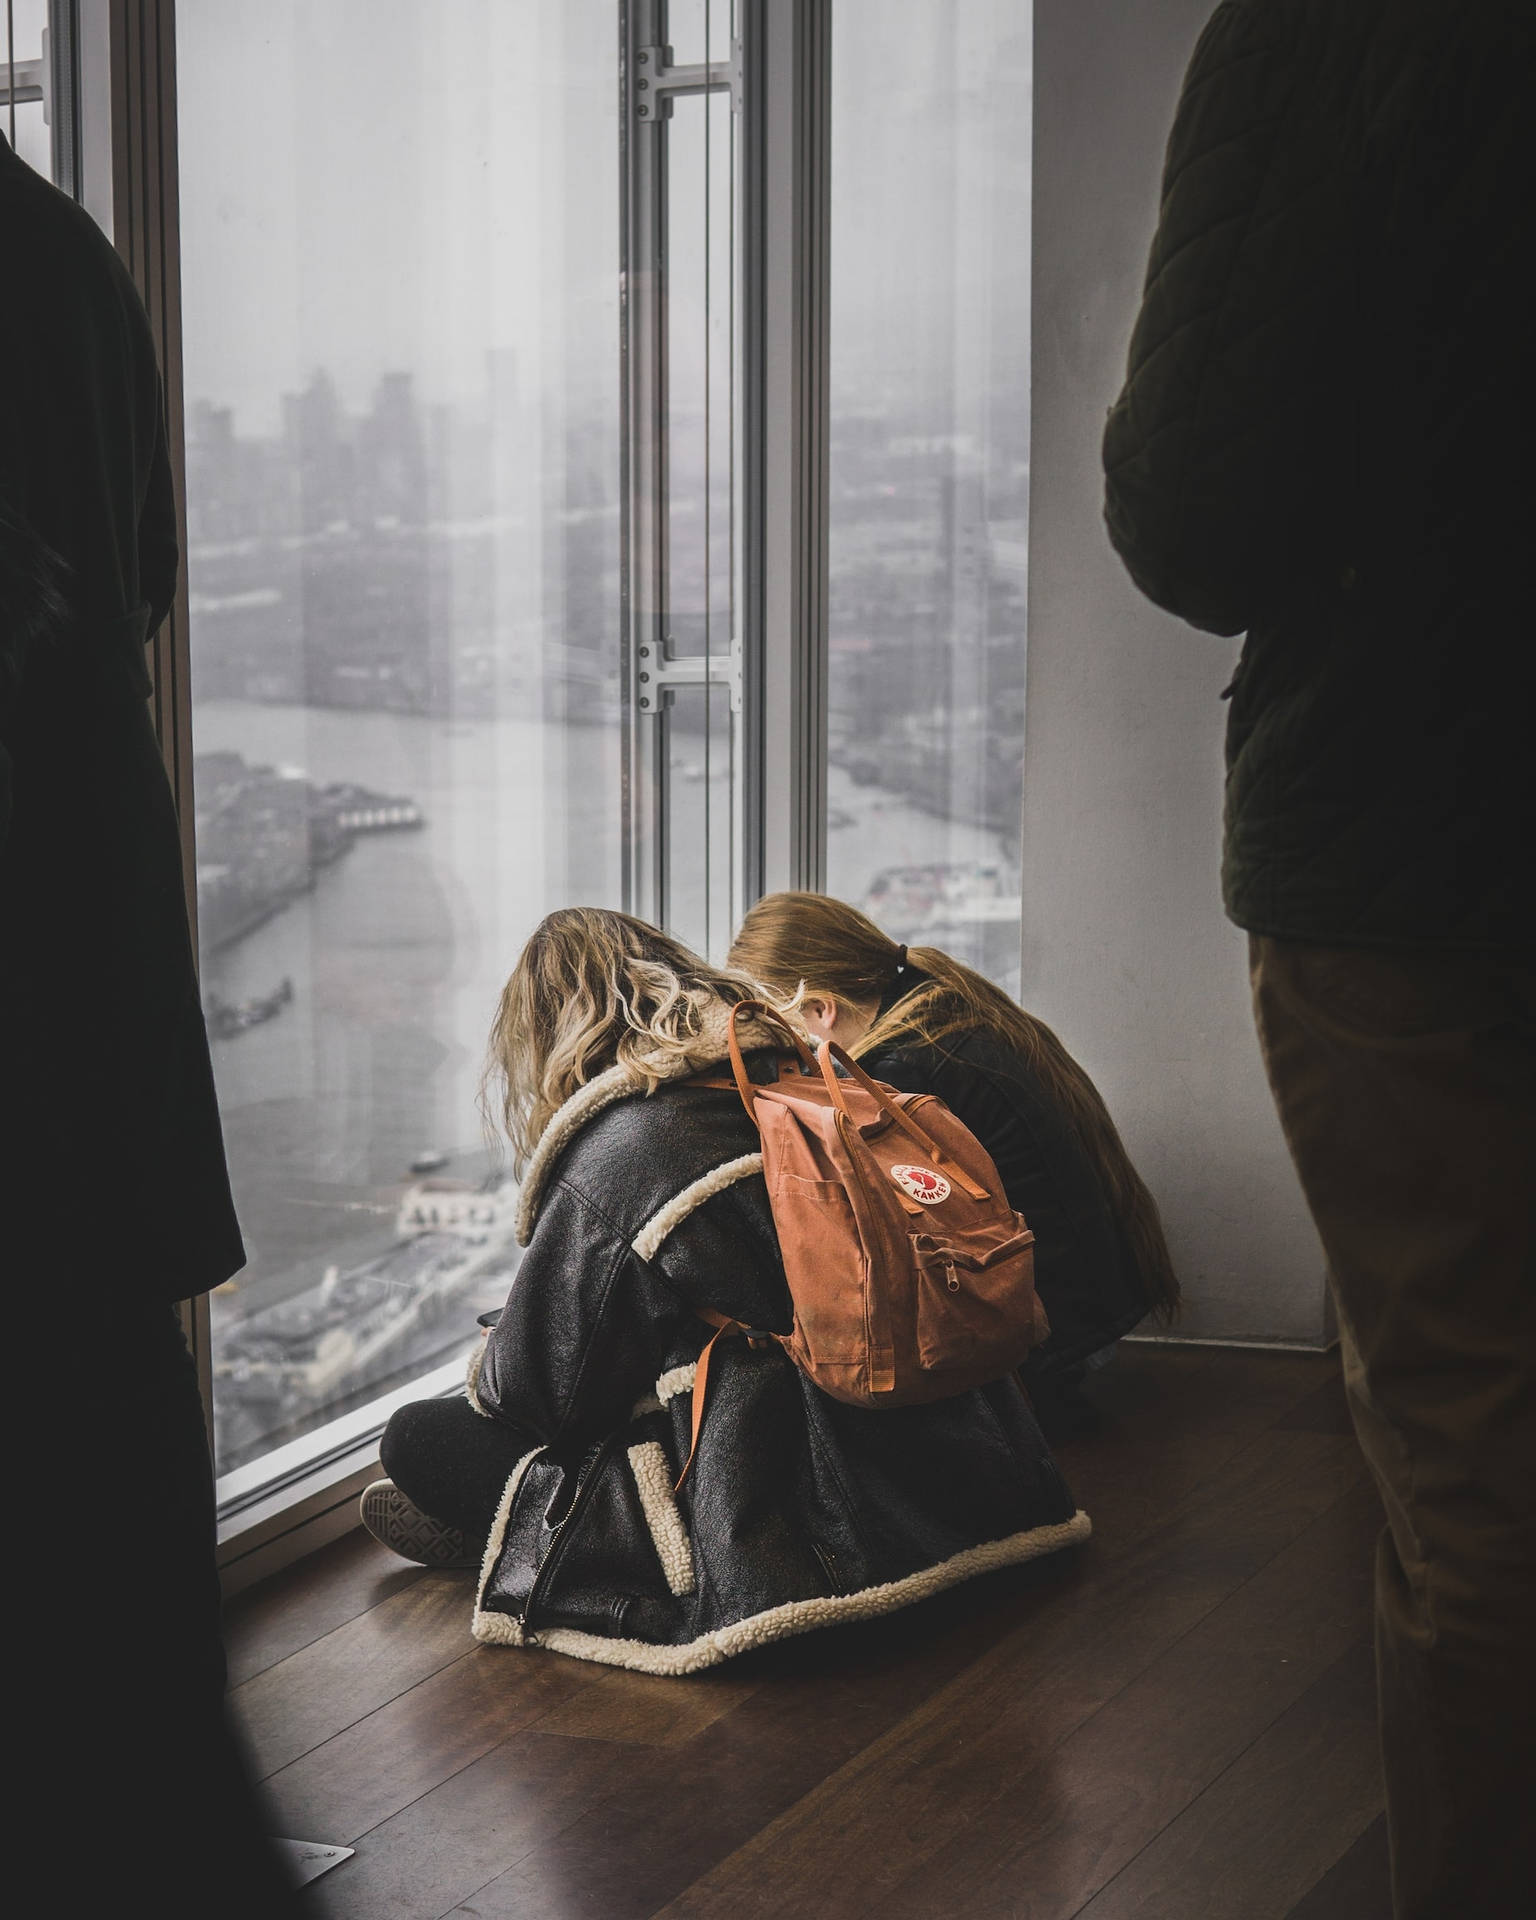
x: 227, y: 1018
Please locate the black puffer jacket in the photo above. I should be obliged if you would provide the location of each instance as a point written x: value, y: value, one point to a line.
x: 799, y: 1512
x: 1325, y: 440
x: 1085, y: 1272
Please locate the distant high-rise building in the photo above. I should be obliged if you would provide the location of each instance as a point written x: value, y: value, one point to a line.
x: 319, y: 455
x: 393, y: 469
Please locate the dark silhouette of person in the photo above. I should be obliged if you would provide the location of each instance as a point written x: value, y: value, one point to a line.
x: 116, y: 1198
x: 1324, y: 443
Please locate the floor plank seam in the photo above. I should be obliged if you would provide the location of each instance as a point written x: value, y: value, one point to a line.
x: 347, y: 1726
x: 1308, y: 1891
x: 334, y: 1627
x: 536, y: 1846
x: 1347, y: 1493
x: 1215, y: 1607
x: 1189, y: 1807
x: 357, y: 1839
x: 1237, y: 1758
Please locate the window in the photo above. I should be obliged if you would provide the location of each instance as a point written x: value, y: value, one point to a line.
x: 929, y: 469
x: 606, y: 480
x: 400, y: 318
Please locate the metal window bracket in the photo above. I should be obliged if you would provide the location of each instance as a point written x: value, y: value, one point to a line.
x: 31, y: 83
x: 655, y: 82
x: 662, y: 672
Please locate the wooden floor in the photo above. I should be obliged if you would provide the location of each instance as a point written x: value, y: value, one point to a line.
x: 1175, y: 1723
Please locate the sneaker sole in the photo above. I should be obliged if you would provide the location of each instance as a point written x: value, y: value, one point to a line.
x: 399, y: 1524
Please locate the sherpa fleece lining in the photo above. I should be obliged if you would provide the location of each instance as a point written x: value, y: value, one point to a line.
x: 472, y: 1378
x: 709, y: 1046
x: 648, y: 1241
x: 511, y: 1634
x: 794, y: 1616
x: 653, y: 1482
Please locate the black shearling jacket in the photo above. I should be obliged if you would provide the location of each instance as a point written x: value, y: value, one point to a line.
x: 1324, y: 441
x: 799, y: 1511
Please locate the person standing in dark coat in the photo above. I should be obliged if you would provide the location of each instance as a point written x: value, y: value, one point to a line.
x: 1324, y: 443
x: 117, y: 1201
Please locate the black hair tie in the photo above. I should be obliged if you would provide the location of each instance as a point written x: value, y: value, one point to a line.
x: 901, y: 961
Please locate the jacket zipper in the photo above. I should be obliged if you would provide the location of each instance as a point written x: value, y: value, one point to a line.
x: 586, y: 1475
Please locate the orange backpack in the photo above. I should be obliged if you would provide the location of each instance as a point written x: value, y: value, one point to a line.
x: 911, y: 1276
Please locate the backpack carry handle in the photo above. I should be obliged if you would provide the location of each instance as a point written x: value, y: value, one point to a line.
x: 830, y: 1051
x: 744, y: 1083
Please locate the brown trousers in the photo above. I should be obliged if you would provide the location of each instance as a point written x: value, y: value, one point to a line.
x: 1406, y: 1084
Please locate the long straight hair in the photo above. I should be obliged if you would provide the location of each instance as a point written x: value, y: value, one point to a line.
x: 809, y: 943
x: 594, y: 989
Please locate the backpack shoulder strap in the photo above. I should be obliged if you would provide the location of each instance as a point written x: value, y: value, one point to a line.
x: 722, y: 1326
x: 892, y: 1108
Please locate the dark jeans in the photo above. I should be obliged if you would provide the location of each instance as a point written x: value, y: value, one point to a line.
x: 1406, y: 1083
x: 131, y: 1767
x: 452, y: 1461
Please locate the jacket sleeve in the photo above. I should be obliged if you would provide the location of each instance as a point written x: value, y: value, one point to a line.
x: 1211, y: 452
x: 576, y: 1344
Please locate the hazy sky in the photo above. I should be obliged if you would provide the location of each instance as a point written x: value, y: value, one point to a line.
x: 372, y: 184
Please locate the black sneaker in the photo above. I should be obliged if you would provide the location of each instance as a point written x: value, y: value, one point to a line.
x: 399, y: 1524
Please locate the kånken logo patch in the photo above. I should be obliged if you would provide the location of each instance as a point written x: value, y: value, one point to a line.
x: 922, y: 1184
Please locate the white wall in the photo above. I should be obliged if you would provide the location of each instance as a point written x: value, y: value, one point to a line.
x: 1126, y: 950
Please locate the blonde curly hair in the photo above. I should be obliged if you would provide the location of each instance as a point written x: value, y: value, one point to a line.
x: 594, y: 989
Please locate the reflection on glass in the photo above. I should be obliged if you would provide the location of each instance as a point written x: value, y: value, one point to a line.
x: 399, y: 256
x: 929, y: 470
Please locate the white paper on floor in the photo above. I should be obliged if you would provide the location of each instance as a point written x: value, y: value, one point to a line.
x: 308, y: 1859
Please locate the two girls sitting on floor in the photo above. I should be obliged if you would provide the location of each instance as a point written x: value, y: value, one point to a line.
x: 640, y: 1205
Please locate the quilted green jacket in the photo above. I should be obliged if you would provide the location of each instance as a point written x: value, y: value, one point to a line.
x: 1325, y: 442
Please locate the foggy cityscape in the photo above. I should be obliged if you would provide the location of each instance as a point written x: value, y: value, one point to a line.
x: 404, y: 569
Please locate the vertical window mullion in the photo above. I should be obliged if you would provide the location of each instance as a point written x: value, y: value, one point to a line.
x: 684, y: 845
x: 642, y: 160
x: 786, y: 207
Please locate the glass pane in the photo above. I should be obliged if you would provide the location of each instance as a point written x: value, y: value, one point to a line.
x: 25, y: 121
x: 930, y: 468
x: 399, y: 256
x: 33, y: 142
x: 701, y: 815
x: 699, y: 30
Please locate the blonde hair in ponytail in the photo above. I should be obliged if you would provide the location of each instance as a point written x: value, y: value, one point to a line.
x: 809, y: 943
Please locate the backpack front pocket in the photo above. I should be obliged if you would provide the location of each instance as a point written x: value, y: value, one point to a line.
x: 975, y: 1304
